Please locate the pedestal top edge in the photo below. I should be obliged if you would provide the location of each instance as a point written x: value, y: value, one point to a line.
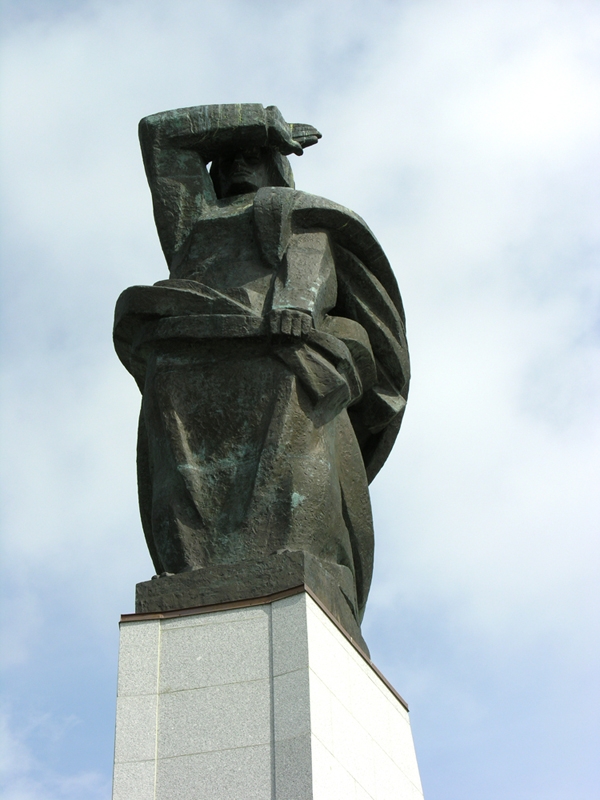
x: 261, y: 601
x: 212, y: 607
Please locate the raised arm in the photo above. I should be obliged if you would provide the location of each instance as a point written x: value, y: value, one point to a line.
x: 177, y: 145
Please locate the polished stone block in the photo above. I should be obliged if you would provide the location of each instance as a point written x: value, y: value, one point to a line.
x: 214, y: 718
x: 238, y: 774
x: 138, y: 658
x: 268, y: 701
x: 134, y: 779
x: 190, y: 658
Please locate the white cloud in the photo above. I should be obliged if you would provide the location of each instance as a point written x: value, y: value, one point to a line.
x: 23, y: 777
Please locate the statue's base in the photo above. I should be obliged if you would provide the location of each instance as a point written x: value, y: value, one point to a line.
x: 222, y: 583
x: 264, y: 701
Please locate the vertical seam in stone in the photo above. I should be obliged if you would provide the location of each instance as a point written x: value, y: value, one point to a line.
x: 157, y: 708
x: 272, y: 705
x: 309, y: 681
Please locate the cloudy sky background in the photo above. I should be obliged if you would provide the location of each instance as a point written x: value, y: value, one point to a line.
x: 466, y: 134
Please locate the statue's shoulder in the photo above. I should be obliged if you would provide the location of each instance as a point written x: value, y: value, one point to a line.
x: 280, y: 210
x: 305, y: 206
x: 349, y: 231
x: 283, y: 206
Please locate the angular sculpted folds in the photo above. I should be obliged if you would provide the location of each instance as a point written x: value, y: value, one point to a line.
x: 272, y: 362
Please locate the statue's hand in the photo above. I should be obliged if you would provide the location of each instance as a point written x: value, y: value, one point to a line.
x: 290, y: 322
x: 305, y: 135
x: 289, y: 138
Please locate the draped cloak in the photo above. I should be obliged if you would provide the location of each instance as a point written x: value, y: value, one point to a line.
x: 252, y: 444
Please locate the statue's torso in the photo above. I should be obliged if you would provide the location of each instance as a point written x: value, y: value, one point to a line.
x: 222, y: 252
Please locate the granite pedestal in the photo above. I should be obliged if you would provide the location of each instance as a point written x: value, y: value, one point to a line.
x: 263, y: 700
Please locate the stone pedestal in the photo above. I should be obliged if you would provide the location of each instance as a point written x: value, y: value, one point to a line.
x: 262, y: 700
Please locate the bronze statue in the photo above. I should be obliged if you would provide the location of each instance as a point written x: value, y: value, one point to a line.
x: 272, y: 363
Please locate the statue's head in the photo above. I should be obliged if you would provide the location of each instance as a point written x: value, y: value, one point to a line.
x: 243, y: 171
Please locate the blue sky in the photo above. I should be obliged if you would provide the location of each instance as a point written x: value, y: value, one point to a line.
x: 466, y: 134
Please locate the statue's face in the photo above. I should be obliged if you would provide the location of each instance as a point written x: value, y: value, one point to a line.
x: 243, y: 171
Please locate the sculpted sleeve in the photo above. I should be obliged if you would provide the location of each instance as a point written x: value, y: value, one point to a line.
x: 367, y: 292
x: 176, y: 147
